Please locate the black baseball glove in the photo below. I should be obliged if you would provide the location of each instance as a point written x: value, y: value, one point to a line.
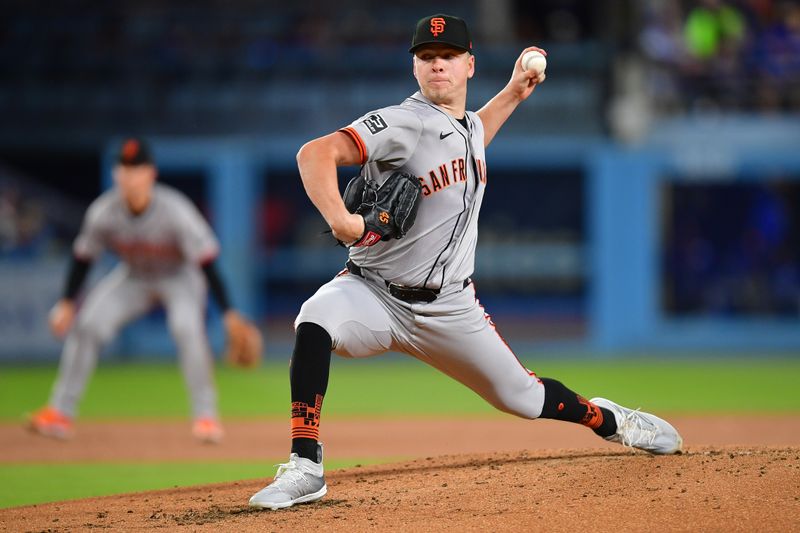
x: 389, y: 211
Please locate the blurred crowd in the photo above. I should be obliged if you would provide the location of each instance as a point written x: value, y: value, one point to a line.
x: 733, y: 249
x: 222, y: 68
x: 225, y: 41
x: 88, y: 70
x: 23, y: 226
x: 739, y: 55
x: 105, y: 57
x: 37, y: 221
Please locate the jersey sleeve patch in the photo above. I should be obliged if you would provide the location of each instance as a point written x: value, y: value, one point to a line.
x: 388, y: 135
x: 375, y: 123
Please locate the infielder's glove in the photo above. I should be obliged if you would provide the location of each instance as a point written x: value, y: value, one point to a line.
x: 244, y: 342
x: 389, y: 211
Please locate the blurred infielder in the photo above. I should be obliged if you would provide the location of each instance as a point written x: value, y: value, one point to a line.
x: 167, y: 253
x: 414, y: 294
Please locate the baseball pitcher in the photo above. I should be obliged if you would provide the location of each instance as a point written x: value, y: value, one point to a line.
x: 408, y: 288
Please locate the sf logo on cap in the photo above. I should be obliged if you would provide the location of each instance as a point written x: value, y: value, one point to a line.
x: 437, y: 26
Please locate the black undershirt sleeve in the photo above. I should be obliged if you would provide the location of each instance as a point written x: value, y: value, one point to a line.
x: 215, y: 286
x: 78, y: 269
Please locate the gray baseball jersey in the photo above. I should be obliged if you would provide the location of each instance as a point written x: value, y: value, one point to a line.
x: 161, y: 251
x: 425, y: 141
x: 451, y: 333
x: 168, y: 236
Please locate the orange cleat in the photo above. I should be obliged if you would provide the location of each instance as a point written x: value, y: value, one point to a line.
x: 51, y: 422
x: 207, y: 430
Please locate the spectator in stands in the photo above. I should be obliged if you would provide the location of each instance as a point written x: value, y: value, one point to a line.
x: 715, y: 32
x: 662, y: 43
x: 711, y: 26
x: 776, y: 59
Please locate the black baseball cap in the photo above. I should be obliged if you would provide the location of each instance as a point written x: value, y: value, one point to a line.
x: 134, y: 151
x: 442, y: 29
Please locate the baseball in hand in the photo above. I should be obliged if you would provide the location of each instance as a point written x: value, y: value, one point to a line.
x: 535, y: 61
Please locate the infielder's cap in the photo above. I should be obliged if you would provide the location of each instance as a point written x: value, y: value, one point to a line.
x: 134, y: 152
x: 442, y: 29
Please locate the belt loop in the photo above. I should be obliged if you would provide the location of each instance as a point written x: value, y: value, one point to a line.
x: 353, y: 268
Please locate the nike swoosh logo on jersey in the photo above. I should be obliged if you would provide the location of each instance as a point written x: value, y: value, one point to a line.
x: 443, y: 135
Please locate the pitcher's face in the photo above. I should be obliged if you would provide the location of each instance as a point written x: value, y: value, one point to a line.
x: 442, y: 72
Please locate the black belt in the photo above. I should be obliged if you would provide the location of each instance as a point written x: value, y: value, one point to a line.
x: 401, y: 292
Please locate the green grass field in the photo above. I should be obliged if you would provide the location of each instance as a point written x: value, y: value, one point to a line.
x: 695, y: 385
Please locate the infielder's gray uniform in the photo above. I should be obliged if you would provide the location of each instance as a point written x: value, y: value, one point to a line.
x: 452, y: 333
x: 161, y: 250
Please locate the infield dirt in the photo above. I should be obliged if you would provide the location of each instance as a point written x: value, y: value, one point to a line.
x: 500, y: 474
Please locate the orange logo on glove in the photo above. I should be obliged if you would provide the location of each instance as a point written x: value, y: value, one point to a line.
x: 437, y: 26
x: 384, y: 217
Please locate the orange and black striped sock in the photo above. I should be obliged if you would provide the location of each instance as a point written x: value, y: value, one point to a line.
x: 560, y: 403
x: 305, y: 428
x: 308, y: 376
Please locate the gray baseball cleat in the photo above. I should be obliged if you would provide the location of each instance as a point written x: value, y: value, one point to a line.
x: 300, y: 480
x: 642, y: 430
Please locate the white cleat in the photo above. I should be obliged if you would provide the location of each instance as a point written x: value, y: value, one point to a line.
x: 298, y: 481
x: 642, y: 430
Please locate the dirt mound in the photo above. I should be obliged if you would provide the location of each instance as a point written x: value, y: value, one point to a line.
x: 705, y: 489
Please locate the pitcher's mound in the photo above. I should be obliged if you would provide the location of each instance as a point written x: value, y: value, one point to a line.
x: 704, y: 489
